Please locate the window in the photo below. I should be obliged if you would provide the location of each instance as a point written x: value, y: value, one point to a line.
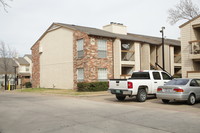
x: 178, y: 82
x: 156, y: 75
x: 102, y: 74
x: 80, y: 48
x: 166, y: 76
x: 198, y: 81
x: 80, y: 74
x: 102, y: 48
x: 193, y: 83
x: 140, y: 75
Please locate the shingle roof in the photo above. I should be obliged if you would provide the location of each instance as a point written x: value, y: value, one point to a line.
x: 29, y: 56
x: 189, y: 21
x: 22, y: 61
x: 158, y: 40
x: 99, y: 32
x: 129, y: 36
x: 10, y: 64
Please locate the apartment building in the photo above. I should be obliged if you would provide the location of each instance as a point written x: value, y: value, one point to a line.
x: 190, y: 48
x: 24, y: 69
x: 66, y: 54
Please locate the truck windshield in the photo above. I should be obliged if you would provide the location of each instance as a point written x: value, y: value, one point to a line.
x: 140, y: 75
x: 177, y: 82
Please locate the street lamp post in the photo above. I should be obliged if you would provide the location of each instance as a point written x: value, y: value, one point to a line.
x: 15, y: 69
x: 163, y: 55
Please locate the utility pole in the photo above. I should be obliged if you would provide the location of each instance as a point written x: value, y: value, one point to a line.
x: 163, y: 42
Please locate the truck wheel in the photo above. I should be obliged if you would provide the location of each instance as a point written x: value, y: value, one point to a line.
x: 142, y: 95
x: 165, y: 101
x: 120, y: 97
x: 191, y: 99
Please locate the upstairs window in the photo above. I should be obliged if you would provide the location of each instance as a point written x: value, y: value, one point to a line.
x: 102, y: 74
x: 80, y: 74
x: 80, y: 48
x: 102, y: 48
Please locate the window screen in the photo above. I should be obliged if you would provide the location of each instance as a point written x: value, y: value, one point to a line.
x: 102, y: 74
x: 80, y: 48
x: 80, y: 74
x: 102, y: 48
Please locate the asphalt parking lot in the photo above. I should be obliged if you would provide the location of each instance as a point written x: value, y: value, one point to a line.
x: 151, y: 102
x: 22, y: 113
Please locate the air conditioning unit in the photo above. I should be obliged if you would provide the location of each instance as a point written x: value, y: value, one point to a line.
x: 40, y: 50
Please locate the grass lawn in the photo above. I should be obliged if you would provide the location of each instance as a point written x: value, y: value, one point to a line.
x: 69, y: 92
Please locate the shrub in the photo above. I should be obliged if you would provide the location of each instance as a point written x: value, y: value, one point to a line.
x: 93, y: 86
x: 28, y: 84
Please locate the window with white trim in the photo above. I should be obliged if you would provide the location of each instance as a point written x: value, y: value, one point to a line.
x: 102, y: 74
x: 80, y: 74
x: 102, y: 48
x: 80, y: 48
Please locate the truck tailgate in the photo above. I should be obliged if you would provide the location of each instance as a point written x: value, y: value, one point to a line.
x: 118, y: 84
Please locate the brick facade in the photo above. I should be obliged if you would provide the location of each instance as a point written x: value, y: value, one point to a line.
x: 90, y: 61
x: 36, y: 65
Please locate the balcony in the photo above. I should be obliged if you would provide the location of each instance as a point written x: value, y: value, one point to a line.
x: 195, y: 50
x: 177, y: 60
x: 193, y: 74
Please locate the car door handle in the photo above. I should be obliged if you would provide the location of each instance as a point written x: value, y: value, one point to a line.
x: 165, y: 82
x: 155, y: 82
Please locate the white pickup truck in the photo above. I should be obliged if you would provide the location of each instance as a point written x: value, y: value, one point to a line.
x: 141, y: 84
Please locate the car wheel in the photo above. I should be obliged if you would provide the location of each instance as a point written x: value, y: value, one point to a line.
x: 191, y: 99
x: 120, y: 97
x: 165, y: 101
x: 142, y: 95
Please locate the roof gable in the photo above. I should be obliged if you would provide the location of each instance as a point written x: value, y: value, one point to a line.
x: 189, y: 21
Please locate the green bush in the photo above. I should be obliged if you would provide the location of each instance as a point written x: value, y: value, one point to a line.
x: 28, y: 84
x: 93, y: 86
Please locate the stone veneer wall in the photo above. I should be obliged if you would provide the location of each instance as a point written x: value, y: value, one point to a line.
x: 36, y: 65
x: 90, y: 62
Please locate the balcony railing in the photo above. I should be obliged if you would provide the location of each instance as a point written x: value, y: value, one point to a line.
x: 195, y: 50
x: 195, y: 47
x: 177, y: 58
x: 127, y: 55
x: 125, y: 76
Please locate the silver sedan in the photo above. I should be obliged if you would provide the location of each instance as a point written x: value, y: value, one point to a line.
x: 180, y: 90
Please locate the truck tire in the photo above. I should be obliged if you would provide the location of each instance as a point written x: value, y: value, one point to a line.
x: 120, y: 97
x: 142, y: 95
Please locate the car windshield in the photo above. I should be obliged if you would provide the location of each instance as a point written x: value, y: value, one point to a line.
x: 177, y: 82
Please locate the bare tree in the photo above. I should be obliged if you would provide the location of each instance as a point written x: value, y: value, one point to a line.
x: 6, y: 60
x: 184, y: 10
x: 4, y: 4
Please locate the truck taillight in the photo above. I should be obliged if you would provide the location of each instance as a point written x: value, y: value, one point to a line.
x: 130, y: 85
x: 178, y: 90
x: 159, y: 89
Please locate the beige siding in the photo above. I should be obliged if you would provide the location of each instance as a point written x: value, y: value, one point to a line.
x: 145, y: 57
x: 167, y: 58
x: 56, y: 59
x: 187, y: 34
x: 194, y: 75
x: 117, y: 58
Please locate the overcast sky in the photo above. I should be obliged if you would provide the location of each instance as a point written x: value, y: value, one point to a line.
x: 27, y: 20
